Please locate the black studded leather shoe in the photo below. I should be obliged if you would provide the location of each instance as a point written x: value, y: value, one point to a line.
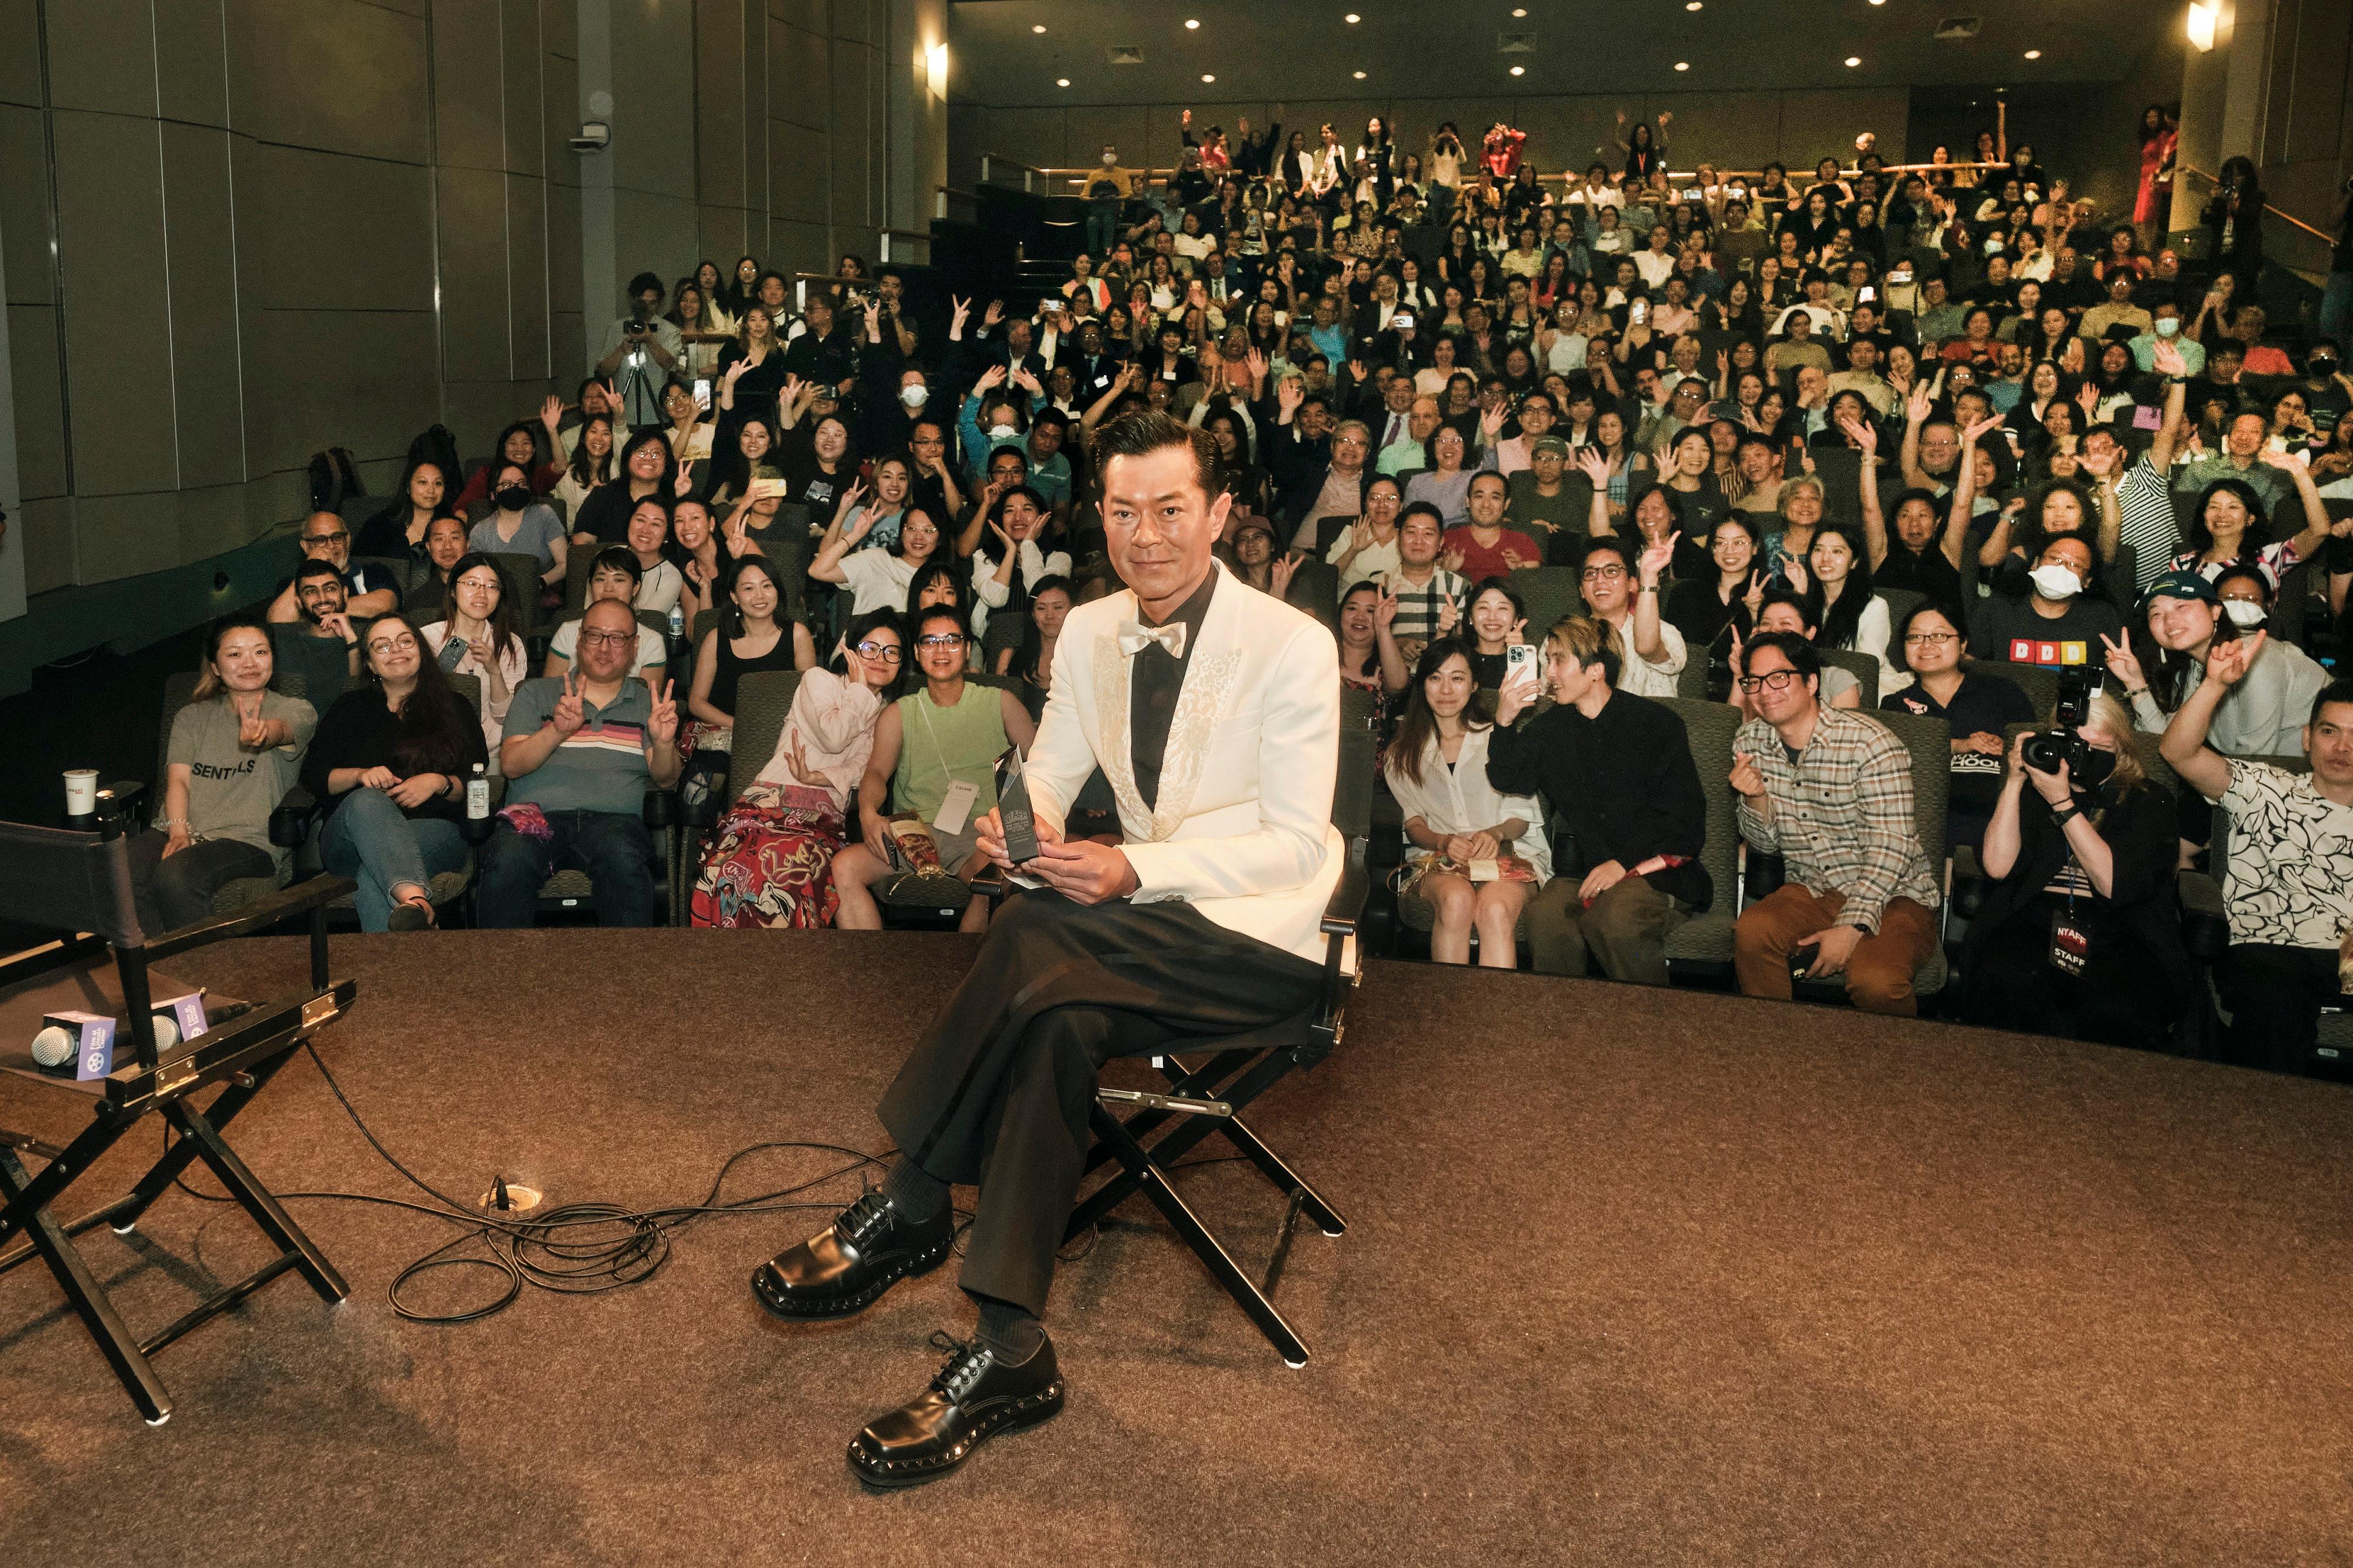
x: 845, y: 1267
x: 973, y: 1398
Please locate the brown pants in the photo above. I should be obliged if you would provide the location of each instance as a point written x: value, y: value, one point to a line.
x: 1879, y: 975
x: 1624, y: 934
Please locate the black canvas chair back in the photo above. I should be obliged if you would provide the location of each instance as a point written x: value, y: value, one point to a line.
x: 1208, y: 1099
x: 79, y: 886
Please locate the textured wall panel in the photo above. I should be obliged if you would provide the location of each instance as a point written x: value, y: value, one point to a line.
x: 339, y: 75
x: 376, y: 254
x: 190, y: 42
x: 473, y: 226
x: 117, y: 329
x: 469, y: 112
x: 206, y: 413
x: 527, y: 277
x: 20, y: 56
x: 521, y: 73
x: 800, y: 77
x: 38, y: 400
x: 855, y: 125
x: 24, y: 227
x: 103, y: 57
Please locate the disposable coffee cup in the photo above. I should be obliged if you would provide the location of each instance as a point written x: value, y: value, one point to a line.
x: 82, y: 791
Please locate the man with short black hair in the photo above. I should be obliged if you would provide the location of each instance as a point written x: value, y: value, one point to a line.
x: 325, y: 536
x: 322, y: 644
x: 2288, y: 891
x: 642, y: 349
x: 1830, y: 790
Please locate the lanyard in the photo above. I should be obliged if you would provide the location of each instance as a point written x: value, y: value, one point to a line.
x: 924, y: 707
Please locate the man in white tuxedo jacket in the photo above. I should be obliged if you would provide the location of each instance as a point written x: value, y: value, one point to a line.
x: 1213, y: 711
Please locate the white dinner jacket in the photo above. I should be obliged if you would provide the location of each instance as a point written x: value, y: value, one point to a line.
x: 1243, y: 824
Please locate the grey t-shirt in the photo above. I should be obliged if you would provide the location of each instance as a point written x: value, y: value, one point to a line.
x: 601, y: 768
x: 537, y: 529
x: 232, y: 791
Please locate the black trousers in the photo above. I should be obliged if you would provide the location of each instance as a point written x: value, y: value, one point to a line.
x: 2276, y: 995
x: 2118, y: 1000
x: 999, y: 1090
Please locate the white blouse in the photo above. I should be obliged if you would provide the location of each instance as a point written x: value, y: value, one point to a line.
x: 1460, y: 800
x: 834, y: 718
x: 514, y: 667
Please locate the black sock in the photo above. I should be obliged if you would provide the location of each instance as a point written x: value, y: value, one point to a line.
x: 914, y: 1191
x: 1011, y: 1333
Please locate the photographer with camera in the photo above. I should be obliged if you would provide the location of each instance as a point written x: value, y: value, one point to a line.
x: 2289, y: 888
x: 642, y: 349
x: 2080, y: 932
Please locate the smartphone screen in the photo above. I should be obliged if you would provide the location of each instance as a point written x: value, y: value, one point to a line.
x: 702, y: 393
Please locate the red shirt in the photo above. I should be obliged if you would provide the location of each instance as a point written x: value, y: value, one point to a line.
x: 1502, y: 149
x: 1512, y: 548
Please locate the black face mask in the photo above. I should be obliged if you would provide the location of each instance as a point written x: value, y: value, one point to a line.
x: 511, y: 498
x: 2321, y: 365
x: 2094, y: 768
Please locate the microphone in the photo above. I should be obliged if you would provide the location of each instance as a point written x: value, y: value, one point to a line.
x: 75, y: 1045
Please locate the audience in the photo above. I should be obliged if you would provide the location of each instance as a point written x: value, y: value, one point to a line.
x: 389, y: 764
x: 613, y: 578
x: 476, y: 635
x: 1978, y: 703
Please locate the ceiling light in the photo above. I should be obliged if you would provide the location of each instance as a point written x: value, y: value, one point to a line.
x: 1207, y: 77
x: 1691, y: 5
x: 1062, y: 81
x: 1037, y: 27
x: 1853, y: 59
x: 1519, y: 70
x: 1519, y: 10
x: 1360, y: 75
x: 2034, y: 54
x: 1682, y: 64
x: 2203, y: 16
x: 1191, y: 22
x: 1352, y: 18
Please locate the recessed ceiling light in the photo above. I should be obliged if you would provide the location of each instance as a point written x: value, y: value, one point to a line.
x: 1062, y: 81
x: 1855, y: 59
x: 1519, y: 10
x: 1191, y: 22
x: 2034, y: 54
x: 1037, y: 27
x: 1360, y: 75
x: 1682, y: 64
x: 1691, y: 5
x: 1207, y: 77
x: 1352, y: 18
x: 1519, y: 70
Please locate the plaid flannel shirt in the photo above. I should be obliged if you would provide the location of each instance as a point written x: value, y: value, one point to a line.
x: 1841, y: 813
x: 1417, y: 617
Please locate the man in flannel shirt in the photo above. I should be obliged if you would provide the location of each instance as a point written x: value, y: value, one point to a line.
x: 1431, y: 600
x: 1830, y: 790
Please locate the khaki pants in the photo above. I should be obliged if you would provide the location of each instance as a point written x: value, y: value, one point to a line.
x: 1624, y: 934
x: 1879, y: 974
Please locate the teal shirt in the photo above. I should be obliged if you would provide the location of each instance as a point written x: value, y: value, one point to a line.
x: 601, y: 768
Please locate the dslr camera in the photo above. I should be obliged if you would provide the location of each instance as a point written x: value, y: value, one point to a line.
x: 2046, y: 750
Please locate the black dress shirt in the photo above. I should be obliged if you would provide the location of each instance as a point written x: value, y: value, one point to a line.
x: 1623, y: 783
x: 1156, y: 679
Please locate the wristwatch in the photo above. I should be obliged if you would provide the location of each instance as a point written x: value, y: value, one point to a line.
x: 2065, y: 814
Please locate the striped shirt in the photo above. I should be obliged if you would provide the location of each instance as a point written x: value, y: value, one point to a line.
x: 1417, y: 617
x: 1841, y: 813
x: 601, y: 766
x: 2145, y: 517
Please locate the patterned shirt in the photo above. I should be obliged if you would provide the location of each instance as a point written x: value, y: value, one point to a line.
x: 1417, y: 617
x: 2144, y: 521
x: 2290, y: 881
x: 1841, y: 813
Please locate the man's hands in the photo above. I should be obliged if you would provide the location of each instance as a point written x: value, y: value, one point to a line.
x: 661, y: 724
x: 1835, y: 946
x: 1746, y: 779
x: 2166, y: 358
x: 1083, y: 870
x: 339, y: 624
x: 1600, y: 880
x: 569, y: 713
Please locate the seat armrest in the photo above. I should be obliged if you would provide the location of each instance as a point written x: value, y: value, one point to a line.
x: 258, y: 915
x: 291, y: 822
x: 2205, y: 920
x: 661, y: 808
x: 1347, y: 905
x: 704, y: 810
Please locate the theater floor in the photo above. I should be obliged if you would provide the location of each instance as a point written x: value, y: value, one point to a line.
x: 1632, y: 1279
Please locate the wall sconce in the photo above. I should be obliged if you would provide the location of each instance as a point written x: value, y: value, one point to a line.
x: 935, y: 60
x: 2201, y: 24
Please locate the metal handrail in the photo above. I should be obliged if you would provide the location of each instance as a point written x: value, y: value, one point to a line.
x: 2289, y: 218
x: 1079, y: 176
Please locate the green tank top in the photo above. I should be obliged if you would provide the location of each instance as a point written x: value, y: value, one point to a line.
x: 941, y: 746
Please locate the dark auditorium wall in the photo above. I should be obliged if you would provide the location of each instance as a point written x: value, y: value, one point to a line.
x: 235, y: 231
x: 1797, y: 127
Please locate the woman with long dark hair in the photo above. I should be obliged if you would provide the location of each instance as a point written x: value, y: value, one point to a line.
x: 1436, y: 767
x: 1837, y: 576
x: 647, y: 469
x: 2160, y: 143
x: 751, y: 636
x: 391, y: 761
x: 591, y: 464
x: 1032, y: 663
x: 476, y: 635
x: 396, y: 532
x: 2236, y: 219
x: 771, y: 858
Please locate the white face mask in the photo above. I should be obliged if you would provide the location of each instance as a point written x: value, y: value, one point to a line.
x: 2167, y: 326
x: 1109, y: 159
x: 2056, y: 582
x: 2245, y: 613
x: 914, y: 396
x: 1002, y: 433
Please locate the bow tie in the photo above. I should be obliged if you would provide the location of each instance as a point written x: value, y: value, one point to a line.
x: 1134, y: 635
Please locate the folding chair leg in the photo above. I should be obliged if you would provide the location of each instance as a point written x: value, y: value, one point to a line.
x: 124, y: 1213
x: 1239, y: 1285
x: 1286, y: 1180
x: 257, y: 1201
x: 89, y: 1299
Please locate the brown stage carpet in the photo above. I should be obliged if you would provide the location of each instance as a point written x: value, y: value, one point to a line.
x: 1633, y: 1278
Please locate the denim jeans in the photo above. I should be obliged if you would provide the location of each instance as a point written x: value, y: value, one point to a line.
x: 369, y: 840
x: 179, y: 891
x: 615, y: 850
x: 1103, y: 226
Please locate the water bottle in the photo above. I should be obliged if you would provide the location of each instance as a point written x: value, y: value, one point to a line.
x: 677, y: 625
x: 478, y: 795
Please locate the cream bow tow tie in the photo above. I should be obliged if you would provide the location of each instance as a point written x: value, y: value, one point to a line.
x: 1134, y: 635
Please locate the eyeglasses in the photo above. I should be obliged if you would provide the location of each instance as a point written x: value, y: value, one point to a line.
x: 888, y: 652
x: 1772, y: 680
x: 610, y: 639
x: 334, y: 537
x: 1928, y: 639
x: 1347, y: 441
x: 1603, y: 572
x: 401, y: 644
x: 945, y: 640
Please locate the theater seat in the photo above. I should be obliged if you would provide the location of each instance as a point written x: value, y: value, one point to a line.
x: 1701, y: 948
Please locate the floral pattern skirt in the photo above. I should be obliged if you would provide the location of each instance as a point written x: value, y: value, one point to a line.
x: 771, y: 861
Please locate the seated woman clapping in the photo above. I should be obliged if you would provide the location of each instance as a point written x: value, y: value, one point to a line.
x: 390, y: 764
x: 1474, y: 854
x: 234, y: 752
x: 929, y: 746
x: 2080, y: 934
x: 771, y: 859
x: 476, y: 635
x: 749, y: 639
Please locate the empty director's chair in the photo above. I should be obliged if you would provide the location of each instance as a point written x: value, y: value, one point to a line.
x: 1209, y: 1098
x: 79, y: 884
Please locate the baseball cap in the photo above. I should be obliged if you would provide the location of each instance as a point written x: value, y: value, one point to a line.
x: 2180, y: 583
x: 1552, y: 444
